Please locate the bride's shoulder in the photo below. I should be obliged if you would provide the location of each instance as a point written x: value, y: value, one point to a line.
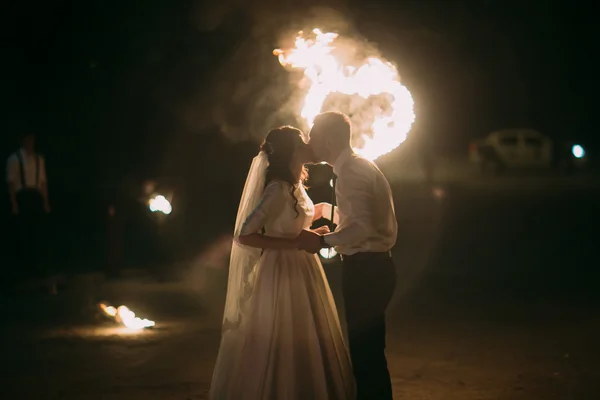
x: 275, y: 187
x: 278, y: 184
x: 275, y: 191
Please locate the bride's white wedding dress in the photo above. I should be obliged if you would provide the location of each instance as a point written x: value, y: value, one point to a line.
x: 290, y: 344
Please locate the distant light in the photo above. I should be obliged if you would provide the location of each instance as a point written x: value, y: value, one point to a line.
x: 159, y: 203
x: 323, y: 162
x: 578, y: 151
x: 328, y: 253
x: 331, y: 183
x: 438, y: 192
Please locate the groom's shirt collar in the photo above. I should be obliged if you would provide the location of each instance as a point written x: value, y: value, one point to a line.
x: 341, y: 160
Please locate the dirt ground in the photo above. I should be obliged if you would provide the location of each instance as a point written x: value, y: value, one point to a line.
x: 434, y: 354
x: 495, y: 300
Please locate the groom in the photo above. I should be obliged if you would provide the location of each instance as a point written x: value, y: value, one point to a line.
x: 365, y: 234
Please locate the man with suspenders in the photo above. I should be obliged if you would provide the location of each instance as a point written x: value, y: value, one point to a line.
x: 27, y: 187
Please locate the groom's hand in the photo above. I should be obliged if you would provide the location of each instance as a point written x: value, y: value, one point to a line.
x: 309, y: 241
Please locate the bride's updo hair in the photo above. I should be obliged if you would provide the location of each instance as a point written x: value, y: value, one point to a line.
x: 280, y: 145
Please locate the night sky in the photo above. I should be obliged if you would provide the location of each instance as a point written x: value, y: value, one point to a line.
x: 121, y: 91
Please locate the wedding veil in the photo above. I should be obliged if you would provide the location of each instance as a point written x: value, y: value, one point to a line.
x: 242, y: 266
x: 243, y: 259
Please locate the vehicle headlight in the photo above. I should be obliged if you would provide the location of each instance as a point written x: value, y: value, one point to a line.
x: 160, y: 203
x: 578, y: 151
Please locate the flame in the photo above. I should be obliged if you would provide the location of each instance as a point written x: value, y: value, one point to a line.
x: 325, y: 75
x: 127, y: 317
x: 109, y: 310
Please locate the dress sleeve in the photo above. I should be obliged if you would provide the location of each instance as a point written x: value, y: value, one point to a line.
x: 270, y: 205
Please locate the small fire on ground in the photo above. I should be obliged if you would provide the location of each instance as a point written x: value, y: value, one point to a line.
x: 125, y: 316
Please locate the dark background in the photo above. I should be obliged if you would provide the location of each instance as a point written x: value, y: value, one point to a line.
x: 497, y: 292
x: 119, y: 92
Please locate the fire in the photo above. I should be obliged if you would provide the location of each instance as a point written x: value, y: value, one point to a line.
x: 325, y: 75
x: 124, y: 315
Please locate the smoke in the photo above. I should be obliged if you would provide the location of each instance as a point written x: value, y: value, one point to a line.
x: 249, y: 91
x: 267, y: 15
x: 208, y: 271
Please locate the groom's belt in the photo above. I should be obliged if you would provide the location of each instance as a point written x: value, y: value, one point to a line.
x: 381, y: 255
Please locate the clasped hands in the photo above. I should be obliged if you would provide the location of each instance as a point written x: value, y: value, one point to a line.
x: 310, y: 240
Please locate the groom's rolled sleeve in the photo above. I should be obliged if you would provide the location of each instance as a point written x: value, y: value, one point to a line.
x: 358, y: 186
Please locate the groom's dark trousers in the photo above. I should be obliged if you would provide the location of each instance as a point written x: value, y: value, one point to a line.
x: 368, y: 283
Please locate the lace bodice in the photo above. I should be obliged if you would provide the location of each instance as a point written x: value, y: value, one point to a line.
x: 275, y: 212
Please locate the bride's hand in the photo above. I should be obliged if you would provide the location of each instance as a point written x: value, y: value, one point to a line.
x: 322, y: 230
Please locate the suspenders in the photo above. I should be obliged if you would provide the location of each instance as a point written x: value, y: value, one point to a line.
x: 22, y: 170
x: 333, y: 202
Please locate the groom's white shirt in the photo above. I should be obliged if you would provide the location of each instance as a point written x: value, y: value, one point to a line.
x: 365, y: 208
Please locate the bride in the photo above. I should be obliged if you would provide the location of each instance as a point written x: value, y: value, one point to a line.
x: 281, y: 336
